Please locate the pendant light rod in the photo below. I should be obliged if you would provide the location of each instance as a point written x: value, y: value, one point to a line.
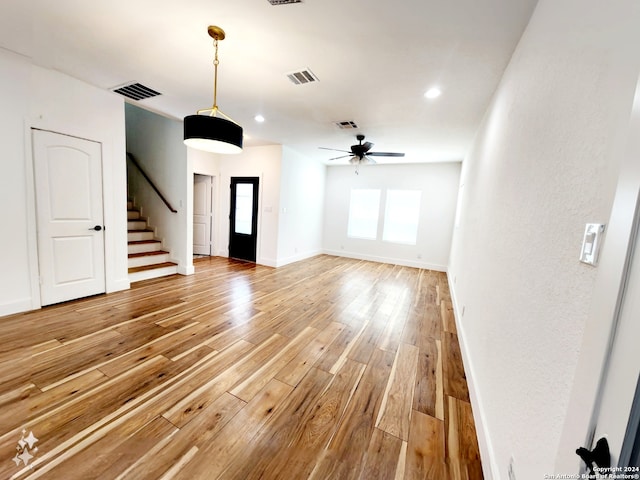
x: 217, y: 34
x: 216, y: 62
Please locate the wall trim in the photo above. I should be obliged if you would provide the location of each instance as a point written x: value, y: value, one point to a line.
x: 267, y: 262
x: 487, y: 454
x: 186, y: 269
x: 119, y: 285
x: 298, y: 257
x: 391, y: 260
x: 17, y: 306
x: 32, y: 224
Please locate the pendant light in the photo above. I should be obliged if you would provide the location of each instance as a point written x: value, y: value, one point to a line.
x: 206, y: 130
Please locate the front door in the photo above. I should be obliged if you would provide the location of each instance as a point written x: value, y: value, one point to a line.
x: 69, y: 215
x: 202, y: 214
x: 243, y: 218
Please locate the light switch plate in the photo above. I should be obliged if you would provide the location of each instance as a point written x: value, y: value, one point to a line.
x: 593, y: 233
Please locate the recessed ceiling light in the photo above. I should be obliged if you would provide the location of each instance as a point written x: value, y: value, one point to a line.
x: 259, y: 118
x: 433, y: 92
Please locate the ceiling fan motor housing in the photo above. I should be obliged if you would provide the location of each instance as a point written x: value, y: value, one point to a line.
x: 361, y: 151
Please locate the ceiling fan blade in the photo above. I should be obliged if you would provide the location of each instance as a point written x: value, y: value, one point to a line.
x: 341, y: 156
x: 334, y: 149
x: 385, y: 154
x: 367, y: 146
x: 368, y: 161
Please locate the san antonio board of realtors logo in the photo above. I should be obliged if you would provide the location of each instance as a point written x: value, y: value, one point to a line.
x: 26, y: 449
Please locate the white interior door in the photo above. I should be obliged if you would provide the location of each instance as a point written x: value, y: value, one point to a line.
x: 202, y: 214
x: 624, y: 367
x: 68, y: 181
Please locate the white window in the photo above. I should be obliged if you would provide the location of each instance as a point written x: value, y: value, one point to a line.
x: 364, y: 210
x: 401, y: 216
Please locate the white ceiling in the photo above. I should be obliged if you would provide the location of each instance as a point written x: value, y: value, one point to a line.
x: 374, y: 60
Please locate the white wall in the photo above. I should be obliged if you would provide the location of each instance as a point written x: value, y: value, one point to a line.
x: 204, y: 163
x: 265, y: 163
x: 302, y: 184
x: 543, y: 164
x: 35, y: 97
x: 156, y: 142
x: 15, y: 281
x: 438, y: 183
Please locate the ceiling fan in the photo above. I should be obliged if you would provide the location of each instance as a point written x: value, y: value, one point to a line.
x: 361, y: 154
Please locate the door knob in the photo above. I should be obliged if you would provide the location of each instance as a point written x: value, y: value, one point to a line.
x: 97, y: 228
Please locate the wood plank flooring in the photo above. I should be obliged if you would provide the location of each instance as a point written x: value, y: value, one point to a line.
x: 329, y: 368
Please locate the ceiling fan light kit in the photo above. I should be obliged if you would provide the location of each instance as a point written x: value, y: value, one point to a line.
x: 206, y: 130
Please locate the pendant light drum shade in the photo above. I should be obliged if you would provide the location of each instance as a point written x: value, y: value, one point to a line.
x: 212, y: 134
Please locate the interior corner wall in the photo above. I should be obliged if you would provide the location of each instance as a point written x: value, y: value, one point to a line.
x: 15, y: 281
x: 439, y: 184
x: 264, y: 162
x: 544, y: 164
x: 301, y: 209
x: 156, y: 143
x: 32, y: 96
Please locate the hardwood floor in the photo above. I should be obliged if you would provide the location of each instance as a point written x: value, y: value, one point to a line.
x: 329, y: 368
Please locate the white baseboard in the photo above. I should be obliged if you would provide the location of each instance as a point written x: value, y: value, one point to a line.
x: 17, y: 306
x: 296, y: 258
x: 394, y: 261
x: 118, y: 285
x: 487, y: 456
x: 186, y: 269
x: 267, y: 262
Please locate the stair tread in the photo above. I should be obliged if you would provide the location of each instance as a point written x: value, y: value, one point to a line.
x: 147, y: 254
x: 136, y: 231
x: 152, y: 267
x: 142, y: 242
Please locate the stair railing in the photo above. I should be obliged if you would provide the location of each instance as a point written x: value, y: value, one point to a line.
x: 146, y: 177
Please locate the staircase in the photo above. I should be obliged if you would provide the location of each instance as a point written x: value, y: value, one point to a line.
x: 146, y: 257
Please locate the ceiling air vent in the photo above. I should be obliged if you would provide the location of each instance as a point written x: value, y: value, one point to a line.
x: 348, y: 125
x: 135, y: 91
x: 283, y: 2
x: 302, y: 77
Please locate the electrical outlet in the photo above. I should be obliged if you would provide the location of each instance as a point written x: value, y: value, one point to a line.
x: 511, y: 470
